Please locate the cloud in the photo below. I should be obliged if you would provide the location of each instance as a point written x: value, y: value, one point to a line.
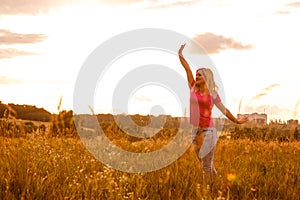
x: 12, y: 52
x: 34, y: 7
x: 4, y: 80
x: 151, y: 4
x: 295, y: 4
x: 173, y: 4
x: 265, y: 91
x: 215, y: 43
x: 30, y: 7
x: 269, y: 109
x: 285, y: 12
x: 143, y: 98
x: 9, y: 38
x: 115, y: 2
x: 282, y: 12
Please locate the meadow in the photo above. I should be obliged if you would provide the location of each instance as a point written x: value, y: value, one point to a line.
x: 44, y: 165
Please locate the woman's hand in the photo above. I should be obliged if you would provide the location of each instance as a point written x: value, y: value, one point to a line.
x: 181, y: 49
x: 242, y: 120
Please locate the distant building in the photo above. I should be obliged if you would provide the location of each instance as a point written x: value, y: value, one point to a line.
x: 255, y: 117
x: 293, y: 122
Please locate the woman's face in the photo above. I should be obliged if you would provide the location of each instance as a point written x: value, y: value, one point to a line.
x: 199, y: 77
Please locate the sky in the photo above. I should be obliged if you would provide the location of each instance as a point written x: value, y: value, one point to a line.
x: 254, y: 46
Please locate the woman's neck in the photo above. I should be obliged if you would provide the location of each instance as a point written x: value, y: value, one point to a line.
x: 202, y: 88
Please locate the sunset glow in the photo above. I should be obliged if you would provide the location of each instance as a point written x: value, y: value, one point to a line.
x: 254, y: 45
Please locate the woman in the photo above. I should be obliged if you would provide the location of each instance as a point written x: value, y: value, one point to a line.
x: 203, y: 96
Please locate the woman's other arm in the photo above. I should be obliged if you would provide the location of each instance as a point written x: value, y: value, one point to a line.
x: 228, y: 114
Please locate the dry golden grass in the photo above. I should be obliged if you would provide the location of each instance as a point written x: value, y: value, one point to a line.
x: 36, y: 166
x: 57, y: 168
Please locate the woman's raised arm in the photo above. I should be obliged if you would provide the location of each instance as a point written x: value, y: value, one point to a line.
x: 186, y: 66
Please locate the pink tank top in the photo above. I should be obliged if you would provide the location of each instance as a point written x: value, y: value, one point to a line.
x: 201, y: 109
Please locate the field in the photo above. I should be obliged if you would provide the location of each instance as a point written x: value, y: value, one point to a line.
x: 36, y: 166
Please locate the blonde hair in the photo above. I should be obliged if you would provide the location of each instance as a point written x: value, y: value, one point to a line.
x: 208, y: 76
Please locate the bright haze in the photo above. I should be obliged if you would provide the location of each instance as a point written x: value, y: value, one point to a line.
x: 254, y: 45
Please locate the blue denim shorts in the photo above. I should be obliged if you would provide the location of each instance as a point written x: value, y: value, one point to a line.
x: 210, y: 138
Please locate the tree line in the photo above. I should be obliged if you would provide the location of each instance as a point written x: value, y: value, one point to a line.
x: 25, y: 112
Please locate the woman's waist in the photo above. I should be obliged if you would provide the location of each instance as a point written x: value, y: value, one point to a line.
x: 199, y: 128
x: 202, y: 123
